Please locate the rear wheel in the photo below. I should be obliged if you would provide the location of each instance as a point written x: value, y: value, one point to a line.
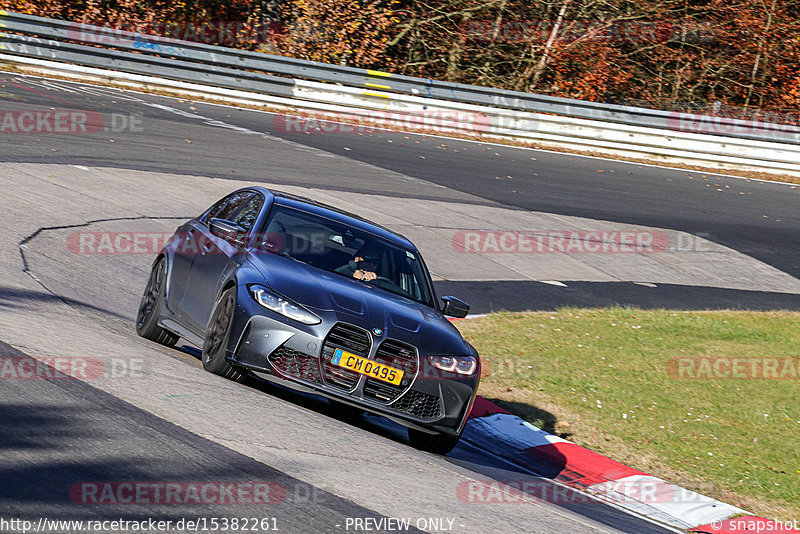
x: 150, y: 307
x: 435, y: 443
x: 216, y: 342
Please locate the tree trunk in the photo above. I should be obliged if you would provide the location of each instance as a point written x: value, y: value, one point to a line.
x: 540, y: 66
x: 761, y: 44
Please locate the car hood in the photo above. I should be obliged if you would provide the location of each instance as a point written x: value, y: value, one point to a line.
x: 337, y: 298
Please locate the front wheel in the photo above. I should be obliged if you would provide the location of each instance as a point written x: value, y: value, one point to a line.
x: 150, y: 307
x: 435, y: 443
x: 217, y: 334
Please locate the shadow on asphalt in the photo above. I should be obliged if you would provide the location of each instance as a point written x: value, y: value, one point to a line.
x: 533, y: 414
x: 490, y: 469
x: 489, y: 463
x: 21, y: 298
x: 315, y: 403
x: 62, y: 438
x: 62, y: 433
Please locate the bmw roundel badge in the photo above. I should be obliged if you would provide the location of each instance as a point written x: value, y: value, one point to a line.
x: 377, y: 331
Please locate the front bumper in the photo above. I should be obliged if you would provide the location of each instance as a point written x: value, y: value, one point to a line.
x: 298, y: 356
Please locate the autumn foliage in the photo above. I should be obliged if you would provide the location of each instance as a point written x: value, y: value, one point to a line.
x: 723, y: 55
x: 675, y: 54
x: 105, y: 11
x: 346, y: 32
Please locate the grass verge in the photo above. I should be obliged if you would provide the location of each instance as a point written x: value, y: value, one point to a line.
x: 620, y: 381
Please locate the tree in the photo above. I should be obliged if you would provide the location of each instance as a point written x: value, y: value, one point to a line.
x: 344, y: 32
x: 726, y: 56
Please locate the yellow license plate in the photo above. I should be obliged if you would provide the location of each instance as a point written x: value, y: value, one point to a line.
x: 367, y: 367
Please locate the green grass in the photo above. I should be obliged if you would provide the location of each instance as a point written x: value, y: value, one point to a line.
x: 575, y: 372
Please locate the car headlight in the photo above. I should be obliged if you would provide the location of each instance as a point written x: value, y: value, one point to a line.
x: 285, y: 307
x: 463, y: 365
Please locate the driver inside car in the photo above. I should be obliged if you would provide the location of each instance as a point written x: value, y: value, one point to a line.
x: 363, y: 265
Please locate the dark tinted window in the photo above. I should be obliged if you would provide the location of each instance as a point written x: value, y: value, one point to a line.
x: 228, y: 206
x: 335, y: 247
x: 247, y: 217
x: 232, y: 207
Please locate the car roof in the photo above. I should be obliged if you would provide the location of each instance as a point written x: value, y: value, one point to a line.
x: 318, y: 208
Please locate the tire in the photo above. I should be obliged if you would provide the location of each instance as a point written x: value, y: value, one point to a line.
x: 435, y: 443
x: 217, y: 334
x: 150, y: 307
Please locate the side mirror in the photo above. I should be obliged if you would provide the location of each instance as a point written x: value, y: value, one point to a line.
x: 454, y: 307
x: 230, y: 232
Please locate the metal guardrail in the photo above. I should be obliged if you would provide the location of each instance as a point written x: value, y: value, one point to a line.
x: 148, y: 65
x: 252, y: 71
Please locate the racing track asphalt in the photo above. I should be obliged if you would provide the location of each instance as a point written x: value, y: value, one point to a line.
x: 756, y: 218
x: 65, y: 432
x: 181, y: 422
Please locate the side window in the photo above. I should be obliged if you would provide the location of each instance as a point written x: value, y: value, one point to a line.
x: 247, y: 217
x: 227, y: 207
x: 231, y: 208
x: 214, y: 209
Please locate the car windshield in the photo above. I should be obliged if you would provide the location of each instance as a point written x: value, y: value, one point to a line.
x: 345, y: 250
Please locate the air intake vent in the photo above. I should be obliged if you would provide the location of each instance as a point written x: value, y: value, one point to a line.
x: 419, y: 405
x: 348, y: 338
x: 295, y: 364
x: 400, y: 356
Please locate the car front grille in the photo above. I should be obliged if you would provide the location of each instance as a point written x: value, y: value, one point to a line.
x: 348, y: 338
x: 295, y: 364
x: 419, y: 405
x: 400, y: 356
